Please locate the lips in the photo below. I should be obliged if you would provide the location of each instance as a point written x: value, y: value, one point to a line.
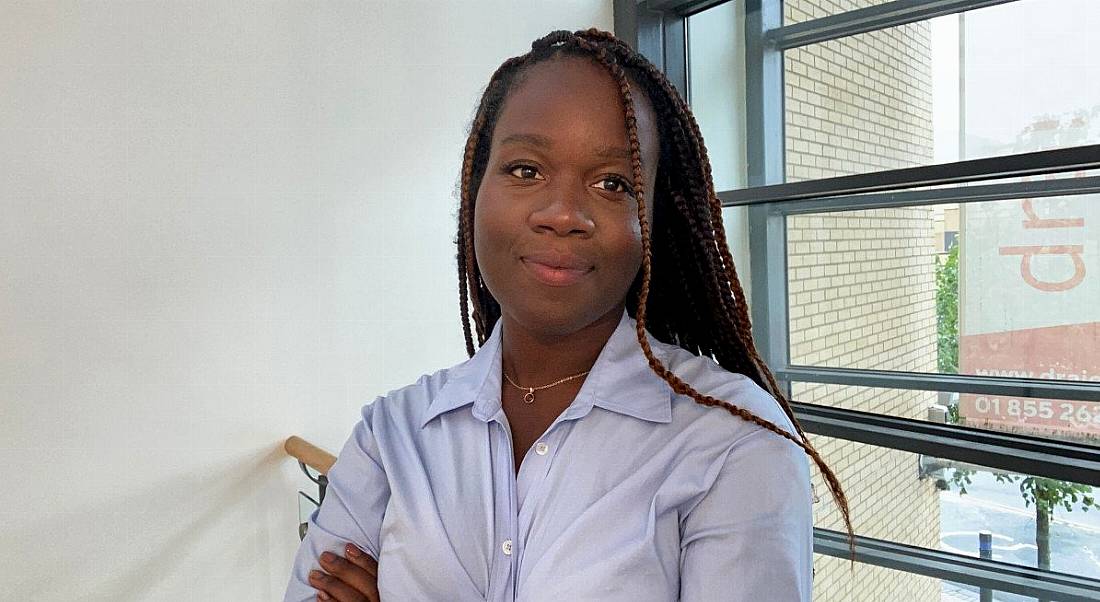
x: 556, y: 269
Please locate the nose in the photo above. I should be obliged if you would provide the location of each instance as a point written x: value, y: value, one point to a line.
x: 563, y: 212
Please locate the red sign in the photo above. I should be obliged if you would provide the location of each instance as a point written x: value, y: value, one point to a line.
x: 1030, y: 308
x: 1070, y: 353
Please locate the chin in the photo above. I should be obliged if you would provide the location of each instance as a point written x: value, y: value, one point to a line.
x: 553, y: 323
x: 555, y: 319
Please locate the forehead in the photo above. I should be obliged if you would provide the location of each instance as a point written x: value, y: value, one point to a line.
x: 574, y: 101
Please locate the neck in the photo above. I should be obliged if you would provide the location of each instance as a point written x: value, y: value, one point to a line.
x: 534, y: 358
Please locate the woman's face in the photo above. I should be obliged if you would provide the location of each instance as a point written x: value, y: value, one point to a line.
x: 556, y: 229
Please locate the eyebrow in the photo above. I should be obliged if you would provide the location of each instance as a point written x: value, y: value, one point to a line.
x: 606, y: 152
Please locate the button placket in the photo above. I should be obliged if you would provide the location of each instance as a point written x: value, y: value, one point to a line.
x: 534, y: 470
x: 506, y: 511
x: 533, y: 477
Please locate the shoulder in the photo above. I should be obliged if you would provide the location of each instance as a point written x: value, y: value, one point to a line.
x: 733, y: 455
x: 709, y: 378
x: 405, y: 406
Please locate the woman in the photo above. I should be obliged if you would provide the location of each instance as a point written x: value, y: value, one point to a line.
x: 579, y: 454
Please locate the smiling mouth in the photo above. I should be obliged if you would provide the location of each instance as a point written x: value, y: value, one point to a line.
x: 554, y: 275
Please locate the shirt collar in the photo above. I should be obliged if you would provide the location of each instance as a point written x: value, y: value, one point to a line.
x: 621, y: 381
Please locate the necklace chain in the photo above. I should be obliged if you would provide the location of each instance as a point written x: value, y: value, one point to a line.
x: 529, y: 396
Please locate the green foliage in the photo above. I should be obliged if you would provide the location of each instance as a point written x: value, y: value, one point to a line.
x: 1050, y: 494
x: 1046, y: 495
x: 947, y: 312
x: 960, y: 478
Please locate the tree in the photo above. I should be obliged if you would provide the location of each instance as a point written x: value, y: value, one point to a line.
x: 947, y: 312
x: 1045, y: 495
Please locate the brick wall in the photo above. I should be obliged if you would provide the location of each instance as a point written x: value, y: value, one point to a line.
x: 862, y: 282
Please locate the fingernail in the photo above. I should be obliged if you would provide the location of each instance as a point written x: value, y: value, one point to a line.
x: 323, y: 596
x: 318, y: 575
x: 328, y: 557
x: 352, y: 551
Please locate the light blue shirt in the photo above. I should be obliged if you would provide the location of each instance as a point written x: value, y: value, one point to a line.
x: 634, y: 493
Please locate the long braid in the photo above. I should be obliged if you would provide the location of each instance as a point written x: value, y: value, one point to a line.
x: 678, y: 384
x: 703, y: 238
x: 467, y: 268
x: 469, y: 277
x: 689, y: 237
x: 463, y: 295
x: 724, y: 331
x: 684, y: 330
x: 740, y: 314
x: 742, y: 322
x: 686, y: 125
x: 463, y: 241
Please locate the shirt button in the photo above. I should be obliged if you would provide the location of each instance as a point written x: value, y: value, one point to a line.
x: 542, y: 448
x: 507, y: 546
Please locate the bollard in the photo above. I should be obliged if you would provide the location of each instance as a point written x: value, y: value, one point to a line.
x: 985, y: 551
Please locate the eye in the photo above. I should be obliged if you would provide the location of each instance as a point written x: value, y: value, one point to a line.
x: 615, y: 184
x: 524, y: 171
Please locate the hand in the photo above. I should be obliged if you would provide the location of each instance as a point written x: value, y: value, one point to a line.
x: 351, y: 579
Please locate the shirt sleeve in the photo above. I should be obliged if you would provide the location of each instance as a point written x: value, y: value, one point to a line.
x: 750, y: 537
x: 352, y: 510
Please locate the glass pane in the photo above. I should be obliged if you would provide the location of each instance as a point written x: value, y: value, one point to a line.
x: 716, y: 59
x: 958, y: 592
x: 1000, y: 80
x: 717, y: 97
x: 1064, y: 419
x: 1003, y: 288
x: 878, y: 584
x: 837, y: 580
x: 306, y: 508
x: 1060, y: 418
x: 942, y: 504
x: 797, y: 11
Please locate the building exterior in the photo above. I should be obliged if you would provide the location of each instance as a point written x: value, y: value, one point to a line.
x: 861, y: 283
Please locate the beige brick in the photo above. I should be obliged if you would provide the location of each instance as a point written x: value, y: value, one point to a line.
x: 859, y: 286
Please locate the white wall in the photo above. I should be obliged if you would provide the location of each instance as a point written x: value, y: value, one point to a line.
x: 221, y: 223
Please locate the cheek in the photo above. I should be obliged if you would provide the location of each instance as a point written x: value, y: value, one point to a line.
x: 477, y: 225
x: 483, y: 239
x: 492, y: 233
x: 630, y: 247
x: 638, y: 255
x: 636, y: 231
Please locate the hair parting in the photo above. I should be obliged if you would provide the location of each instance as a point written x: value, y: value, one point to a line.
x: 688, y: 231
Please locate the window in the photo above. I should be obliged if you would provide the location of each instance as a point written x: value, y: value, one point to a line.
x: 912, y: 188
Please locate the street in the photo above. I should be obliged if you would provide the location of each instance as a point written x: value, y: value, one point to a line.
x: 999, y: 508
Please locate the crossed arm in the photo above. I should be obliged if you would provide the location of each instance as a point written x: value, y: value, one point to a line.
x: 351, y: 579
x: 343, y: 533
x: 749, y: 538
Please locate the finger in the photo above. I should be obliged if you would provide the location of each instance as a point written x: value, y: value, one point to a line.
x: 351, y: 574
x: 369, y: 564
x: 334, y: 588
x: 362, y: 559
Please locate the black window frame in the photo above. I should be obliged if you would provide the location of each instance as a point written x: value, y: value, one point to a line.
x: 658, y: 29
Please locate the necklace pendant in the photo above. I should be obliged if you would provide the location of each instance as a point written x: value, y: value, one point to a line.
x: 529, y: 396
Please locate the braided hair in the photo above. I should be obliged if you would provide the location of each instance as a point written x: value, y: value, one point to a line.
x: 688, y: 292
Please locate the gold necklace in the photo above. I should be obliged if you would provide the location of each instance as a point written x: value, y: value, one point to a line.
x: 529, y: 396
